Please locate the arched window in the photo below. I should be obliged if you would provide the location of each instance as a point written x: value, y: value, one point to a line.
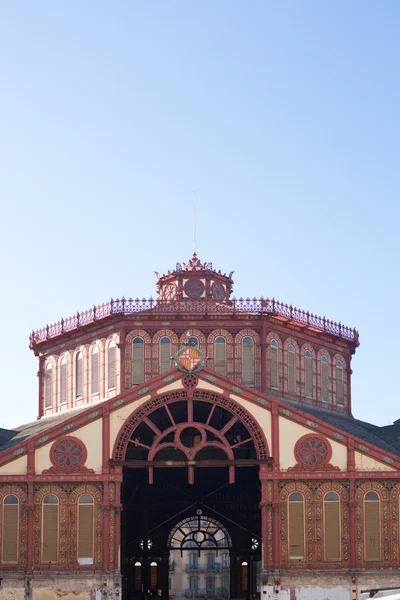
x: 78, y: 375
x: 372, y: 526
x: 95, y: 368
x: 220, y: 355
x: 85, y: 529
x: 10, y: 530
x: 332, y: 526
x: 291, y: 370
x: 193, y: 340
x: 153, y: 576
x: 248, y: 361
x: 138, y: 576
x: 48, y: 386
x: 274, y: 364
x: 339, y: 383
x: 245, y: 576
x: 296, y: 526
x: 308, y: 373
x: 112, y: 366
x: 165, y: 354
x: 63, y: 381
x: 50, y: 529
x: 137, y: 361
x: 324, y: 379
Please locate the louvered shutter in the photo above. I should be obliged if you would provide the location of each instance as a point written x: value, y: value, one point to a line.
x: 296, y: 530
x: 339, y: 385
x: 50, y: 533
x: 309, y: 376
x: 274, y: 367
x: 324, y: 381
x: 220, y: 356
x: 332, y: 530
x: 95, y: 373
x: 138, y: 363
x: 165, y: 355
x: 111, y: 368
x: 63, y: 383
x: 372, y: 530
x: 79, y: 372
x: 10, y: 533
x: 292, y: 371
x: 48, y: 387
x: 85, y: 531
x: 248, y: 362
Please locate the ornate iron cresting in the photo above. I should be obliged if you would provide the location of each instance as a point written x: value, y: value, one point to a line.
x: 209, y: 308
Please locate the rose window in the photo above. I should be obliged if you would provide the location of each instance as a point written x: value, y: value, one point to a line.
x: 313, y: 451
x: 68, y: 454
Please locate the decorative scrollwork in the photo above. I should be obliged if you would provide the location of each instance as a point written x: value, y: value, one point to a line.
x: 68, y: 455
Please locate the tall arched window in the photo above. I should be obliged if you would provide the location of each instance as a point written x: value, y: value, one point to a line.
x: 372, y: 526
x: 85, y: 529
x: 94, y: 371
x: 112, y: 366
x: 165, y: 354
x: 244, y: 576
x: 63, y: 381
x: 308, y: 373
x: 193, y: 340
x: 10, y: 530
x: 274, y: 364
x: 248, y: 361
x: 220, y: 355
x: 153, y: 576
x: 48, y: 386
x: 50, y: 529
x: 296, y: 526
x: 138, y: 576
x: 339, y: 383
x: 78, y: 375
x: 324, y: 379
x: 137, y: 361
x: 291, y: 370
x: 332, y: 526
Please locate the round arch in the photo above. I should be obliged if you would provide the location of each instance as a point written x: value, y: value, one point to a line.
x: 199, y: 532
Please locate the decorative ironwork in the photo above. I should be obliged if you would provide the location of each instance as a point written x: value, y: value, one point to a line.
x: 68, y: 455
x: 313, y: 451
x: 199, y: 532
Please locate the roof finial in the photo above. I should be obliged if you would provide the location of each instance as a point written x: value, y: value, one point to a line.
x: 194, y: 224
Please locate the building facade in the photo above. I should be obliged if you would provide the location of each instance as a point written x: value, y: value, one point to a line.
x: 197, y: 446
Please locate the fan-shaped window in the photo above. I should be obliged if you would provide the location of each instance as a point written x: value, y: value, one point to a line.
x: 274, y: 364
x: 95, y: 371
x: 78, y: 375
x: 10, y: 530
x: 50, y: 529
x: 296, y: 526
x: 372, y: 526
x: 308, y: 373
x: 291, y: 370
x: 248, y: 361
x: 137, y: 361
x: 112, y: 366
x: 165, y: 354
x: 193, y: 340
x: 339, y: 383
x: 324, y: 379
x: 48, y: 386
x: 63, y: 381
x: 332, y: 526
x: 85, y: 529
x: 220, y: 355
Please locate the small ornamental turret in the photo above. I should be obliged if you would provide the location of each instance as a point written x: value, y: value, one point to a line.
x: 195, y: 281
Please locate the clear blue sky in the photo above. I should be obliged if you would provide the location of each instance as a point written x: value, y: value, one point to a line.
x: 283, y: 116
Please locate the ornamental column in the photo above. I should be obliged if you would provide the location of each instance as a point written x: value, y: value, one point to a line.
x: 264, y: 523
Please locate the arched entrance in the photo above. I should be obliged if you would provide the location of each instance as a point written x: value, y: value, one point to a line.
x: 187, y: 454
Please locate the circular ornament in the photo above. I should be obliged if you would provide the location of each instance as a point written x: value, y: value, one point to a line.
x: 194, y: 288
x: 218, y: 291
x: 313, y: 451
x: 68, y: 454
x: 169, y: 291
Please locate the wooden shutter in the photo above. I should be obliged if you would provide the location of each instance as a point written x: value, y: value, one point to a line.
x: 332, y: 530
x: 324, y: 380
x: 95, y: 373
x: 138, y: 363
x: 50, y: 533
x: 247, y: 362
x: 10, y: 533
x: 274, y: 367
x: 291, y: 371
x: 48, y: 388
x: 112, y: 372
x: 372, y: 530
x: 63, y: 383
x: 165, y: 355
x: 79, y: 372
x: 339, y: 385
x: 153, y: 577
x: 296, y: 530
x: 220, y: 356
x: 309, y: 376
x: 85, y: 531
